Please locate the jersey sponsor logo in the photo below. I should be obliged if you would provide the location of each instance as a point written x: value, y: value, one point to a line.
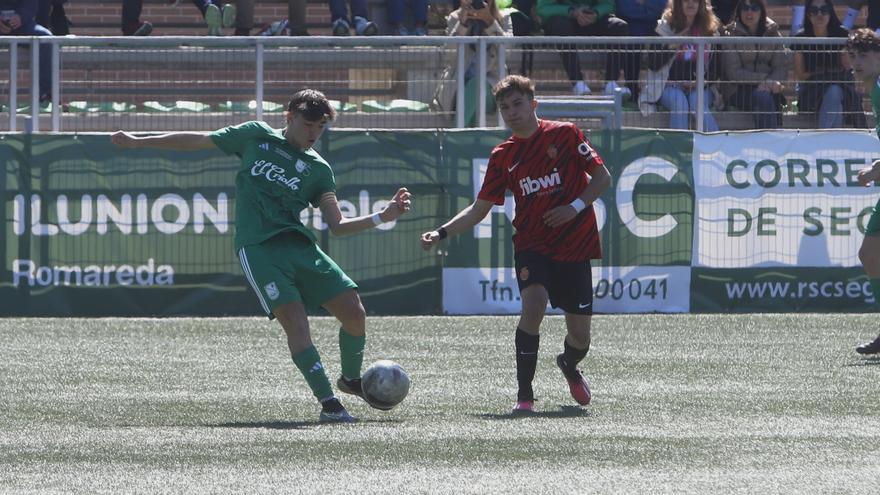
x: 272, y: 290
x: 531, y: 186
x: 274, y: 173
x: 585, y: 149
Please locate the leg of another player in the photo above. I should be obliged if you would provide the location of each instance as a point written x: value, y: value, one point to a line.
x: 869, y: 255
x: 348, y: 309
x: 294, y: 320
x: 534, y: 304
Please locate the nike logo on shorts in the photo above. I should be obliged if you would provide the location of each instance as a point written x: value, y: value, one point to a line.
x: 587, y: 305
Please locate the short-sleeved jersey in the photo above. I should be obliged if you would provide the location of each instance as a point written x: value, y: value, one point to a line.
x: 875, y: 104
x: 275, y: 183
x: 548, y: 169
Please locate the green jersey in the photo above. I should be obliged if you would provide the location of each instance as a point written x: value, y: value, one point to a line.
x: 275, y: 183
x: 875, y: 103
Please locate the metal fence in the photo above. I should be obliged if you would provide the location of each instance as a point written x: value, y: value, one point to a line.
x: 201, y: 83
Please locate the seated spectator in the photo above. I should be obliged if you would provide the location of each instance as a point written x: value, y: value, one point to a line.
x: 51, y: 15
x: 473, y: 18
x: 852, y: 12
x: 294, y: 25
x: 131, y: 19
x: 757, y: 70
x: 525, y: 22
x: 216, y: 16
x: 671, y: 80
x: 18, y: 18
x: 642, y: 17
x: 585, y: 18
x: 340, y: 23
x: 396, y: 14
x: 826, y: 85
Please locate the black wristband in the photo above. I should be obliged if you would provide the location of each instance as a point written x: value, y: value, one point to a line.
x: 443, y: 233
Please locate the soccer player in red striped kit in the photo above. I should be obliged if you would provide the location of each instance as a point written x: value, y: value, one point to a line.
x: 555, y: 175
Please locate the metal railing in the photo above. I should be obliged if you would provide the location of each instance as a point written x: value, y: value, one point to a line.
x: 354, y: 71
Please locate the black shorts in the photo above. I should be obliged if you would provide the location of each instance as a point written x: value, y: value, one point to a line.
x: 569, y: 283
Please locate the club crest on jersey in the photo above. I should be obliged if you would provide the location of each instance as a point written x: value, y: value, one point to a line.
x: 302, y: 168
x: 272, y: 290
x: 524, y: 273
x: 530, y: 186
x: 552, y: 151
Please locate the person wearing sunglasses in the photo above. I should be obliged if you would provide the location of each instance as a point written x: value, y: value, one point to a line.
x: 756, y: 71
x: 826, y: 85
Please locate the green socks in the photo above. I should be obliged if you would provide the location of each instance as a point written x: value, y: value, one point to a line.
x: 351, y: 354
x: 309, y: 364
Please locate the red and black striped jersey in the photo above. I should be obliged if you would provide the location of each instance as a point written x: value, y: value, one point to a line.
x: 550, y: 168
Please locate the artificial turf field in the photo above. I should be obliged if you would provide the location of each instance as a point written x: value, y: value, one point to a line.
x: 681, y: 403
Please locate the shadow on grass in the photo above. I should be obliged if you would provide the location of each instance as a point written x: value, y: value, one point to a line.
x: 866, y: 361
x: 563, y: 412
x: 297, y: 425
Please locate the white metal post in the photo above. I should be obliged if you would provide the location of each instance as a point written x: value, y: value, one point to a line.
x: 56, y: 88
x: 701, y: 81
x: 259, y: 80
x: 13, y: 84
x: 481, y: 83
x: 35, y: 84
x: 502, y: 73
x: 459, y: 87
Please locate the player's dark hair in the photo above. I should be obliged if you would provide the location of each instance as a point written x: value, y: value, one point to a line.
x: 862, y: 41
x: 514, y: 84
x: 312, y: 105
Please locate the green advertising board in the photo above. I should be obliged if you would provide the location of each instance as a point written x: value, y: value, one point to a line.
x: 692, y: 223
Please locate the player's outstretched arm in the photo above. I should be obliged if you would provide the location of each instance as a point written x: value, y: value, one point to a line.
x: 177, y: 141
x: 465, y: 220
x: 329, y: 205
x: 870, y: 174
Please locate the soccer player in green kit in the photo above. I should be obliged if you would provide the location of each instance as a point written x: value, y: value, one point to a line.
x: 863, y: 47
x: 280, y: 175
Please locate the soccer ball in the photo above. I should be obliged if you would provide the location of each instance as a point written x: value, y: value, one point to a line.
x: 384, y: 384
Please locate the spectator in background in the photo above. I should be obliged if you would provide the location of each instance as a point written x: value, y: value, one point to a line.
x: 585, y: 18
x: 396, y: 15
x: 294, y: 25
x: 18, y: 18
x: 216, y: 16
x: 642, y: 17
x: 672, y: 75
x: 51, y: 15
x: 340, y: 23
x: 131, y: 19
x: 855, y: 6
x: 757, y: 70
x: 826, y: 85
x: 473, y: 18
